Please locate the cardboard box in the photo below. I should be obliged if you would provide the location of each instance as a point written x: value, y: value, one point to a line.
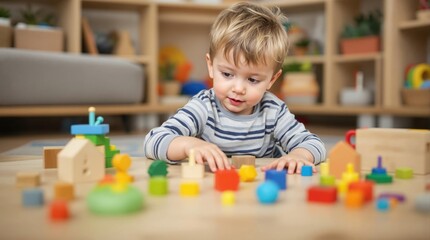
x: 39, y: 39
x: 5, y: 36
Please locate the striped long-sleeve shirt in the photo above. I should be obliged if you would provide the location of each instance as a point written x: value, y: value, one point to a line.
x: 270, y: 131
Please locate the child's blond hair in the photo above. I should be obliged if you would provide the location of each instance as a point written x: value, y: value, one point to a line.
x: 251, y: 31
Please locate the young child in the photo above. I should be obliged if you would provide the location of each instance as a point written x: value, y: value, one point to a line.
x: 238, y: 116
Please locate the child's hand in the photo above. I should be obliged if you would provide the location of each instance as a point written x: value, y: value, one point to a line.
x: 294, y: 161
x: 211, y: 153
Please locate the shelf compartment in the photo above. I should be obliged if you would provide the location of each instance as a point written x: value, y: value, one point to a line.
x: 358, y: 58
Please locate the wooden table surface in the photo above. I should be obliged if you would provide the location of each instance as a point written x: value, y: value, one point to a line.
x: 204, y: 217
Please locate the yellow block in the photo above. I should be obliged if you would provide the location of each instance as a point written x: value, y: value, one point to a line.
x: 228, y: 198
x: 247, y: 173
x: 189, y: 189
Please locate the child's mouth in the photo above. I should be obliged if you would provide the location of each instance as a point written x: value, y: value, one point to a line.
x: 235, y: 102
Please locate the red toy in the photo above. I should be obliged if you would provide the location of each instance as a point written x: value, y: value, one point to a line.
x: 366, y: 187
x: 322, y: 194
x: 226, y: 180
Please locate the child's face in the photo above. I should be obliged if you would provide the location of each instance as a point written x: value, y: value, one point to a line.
x: 239, y: 88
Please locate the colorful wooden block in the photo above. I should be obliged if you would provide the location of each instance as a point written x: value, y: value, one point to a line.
x: 80, y: 161
x: 27, y: 179
x: 59, y: 210
x: 228, y: 198
x: 158, y: 168
x: 306, y: 171
x: 278, y: 177
x: 158, y: 186
x: 398, y: 147
x: 350, y: 175
x: 267, y: 192
x: 339, y: 156
x: 226, y: 180
x: 33, y: 197
x: 320, y: 194
x: 326, y: 179
x: 189, y: 189
x: 379, y: 169
x: 365, y: 187
x: 382, y: 204
x: 354, y: 199
x: 191, y: 169
x: 380, y: 178
x: 64, y: 191
x: 247, y: 173
x: 239, y: 160
x: 89, y: 129
x: 50, y: 156
x: 404, y: 173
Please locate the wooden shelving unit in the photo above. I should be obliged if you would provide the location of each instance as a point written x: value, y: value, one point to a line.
x: 403, y: 43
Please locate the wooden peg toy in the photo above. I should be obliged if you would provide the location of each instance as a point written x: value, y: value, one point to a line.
x: 379, y: 178
x: 379, y: 169
x: 350, y: 175
x: 326, y: 179
x: 239, y: 160
x: 191, y: 169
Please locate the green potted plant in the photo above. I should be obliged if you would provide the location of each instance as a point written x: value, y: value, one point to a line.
x: 301, y: 47
x: 363, y: 36
x: 5, y: 29
x: 299, y: 85
x: 36, y: 31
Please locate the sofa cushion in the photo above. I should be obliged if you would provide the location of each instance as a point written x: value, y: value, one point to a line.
x: 41, y: 78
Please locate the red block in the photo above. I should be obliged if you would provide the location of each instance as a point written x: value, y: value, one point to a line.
x: 322, y: 194
x: 366, y: 187
x: 59, y: 210
x: 226, y: 180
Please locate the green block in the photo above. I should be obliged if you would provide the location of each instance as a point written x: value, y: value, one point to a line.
x: 379, y: 178
x: 404, y: 173
x: 108, y: 162
x: 98, y: 140
x: 110, y: 153
x: 158, y: 186
x: 158, y: 168
x: 327, y: 181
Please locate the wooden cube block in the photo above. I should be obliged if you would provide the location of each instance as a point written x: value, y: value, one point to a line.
x: 64, y: 191
x: 240, y: 160
x: 226, y: 180
x: 50, y: 156
x: 27, y: 179
x: 193, y: 171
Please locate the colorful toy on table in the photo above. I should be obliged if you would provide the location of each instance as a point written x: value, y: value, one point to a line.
x: 278, y: 177
x: 306, y: 171
x: 33, y: 197
x: 354, y: 199
x: 267, y: 192
x: 390, y: 195
x: 64, y: 191
x: 228, y: 198
x: 342, y: 154
x: 239, y: 160
x: 326, y: 179
x: 227, y: 180
x: 59, y: 210
x: 348, y: 177
x: 189, y: 189
x: 365, y: 187
x: 27, y: 179
x: 95, y: 131
x: 382, y: 204
x: 119, y: 197
x: 158, y: 186
x: 158, y: 168
x: 320, y: 194
x: 192, y: 170
x: 247, y: 173
x: 379, y: 174
x: 404, y: 173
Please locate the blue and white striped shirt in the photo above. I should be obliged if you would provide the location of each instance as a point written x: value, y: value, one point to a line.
x: 270, y: 131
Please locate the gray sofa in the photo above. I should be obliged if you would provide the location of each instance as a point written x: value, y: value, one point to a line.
x: 41, y: 78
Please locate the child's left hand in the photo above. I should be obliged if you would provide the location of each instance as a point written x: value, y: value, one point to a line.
x: 294, y: 161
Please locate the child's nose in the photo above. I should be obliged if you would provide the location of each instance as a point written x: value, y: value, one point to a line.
x: 239, y: 87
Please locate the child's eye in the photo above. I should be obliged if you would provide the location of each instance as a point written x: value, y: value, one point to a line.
x: 226, y: 74
x: 253, y: 81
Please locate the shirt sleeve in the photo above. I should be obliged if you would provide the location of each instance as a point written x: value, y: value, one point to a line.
x: 187, y: 121
x: 292, y: 134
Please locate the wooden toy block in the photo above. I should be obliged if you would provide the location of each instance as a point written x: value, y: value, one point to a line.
x: 158, y: 186
x: 342, y: 187
x: 59, y: 210
x: 404, y: 173
x: 64, y: 191
x: 80, y: 161
x: 239, y: 160
x: 339, y: 156
x: 32, y: 197
x: 379, y: 169
x: 398, y: 147
x: 322, y: 194
x: 350, y: 175
x: 365, y: 187
x: 191, y: 169
x: 228, y: 198
x: 354, y: 199
x: 158, y: 168
x: 226, y: 180
x: 279, y: 177
x: 247, y: 173
x: 380, y: 178
x: 326, y: 179
x: 189, y: 189
x: 422, y: 203
x: 27, y: 179
x: 50, y: 156
x: 121, y: 163
x: 267, y: 192
x: 306, y: 171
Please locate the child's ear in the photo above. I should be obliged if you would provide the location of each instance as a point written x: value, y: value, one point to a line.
x: 274, y: 78
x: 210, y: 65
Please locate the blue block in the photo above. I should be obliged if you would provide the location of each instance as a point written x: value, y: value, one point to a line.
x: 307, y: 171
x: 267, y: 192
x: 279, y: 177
x: 84, y: 129
x: 383, y: 204
x: 32, y: 197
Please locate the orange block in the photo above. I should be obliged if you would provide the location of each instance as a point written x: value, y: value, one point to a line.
x: 366, y: 188
x: 64, y: 191
x: 354, y: 199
